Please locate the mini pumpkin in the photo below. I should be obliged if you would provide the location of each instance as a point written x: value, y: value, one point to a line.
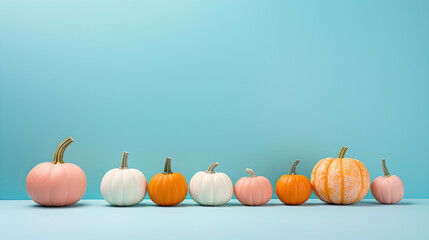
x: 340, y: 180
x: 253, y: 190
x: 211, y: 188
x: 293, y: 189
x: 167, y: 188
x: 56, y: 183
x: 387, y: 189
x: 123, y: 186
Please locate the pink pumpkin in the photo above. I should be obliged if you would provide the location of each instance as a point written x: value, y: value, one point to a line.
x: 56, y: 183
x: 253, y: 190
x: 387, y: 189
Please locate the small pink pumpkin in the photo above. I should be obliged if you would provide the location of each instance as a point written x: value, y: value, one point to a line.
x: 253, y: 190
x: 387, y: 189
x: 56, y: 183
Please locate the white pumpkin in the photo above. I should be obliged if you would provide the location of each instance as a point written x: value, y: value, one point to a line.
x: 123, y: 186
x: 211, y: 188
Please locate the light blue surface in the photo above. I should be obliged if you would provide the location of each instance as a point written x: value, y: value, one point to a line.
x: 93, y: 219
x: 253, y: 84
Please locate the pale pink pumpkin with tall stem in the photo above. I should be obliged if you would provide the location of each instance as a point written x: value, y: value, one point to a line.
x: 387, y: 189
x: 56, y: 183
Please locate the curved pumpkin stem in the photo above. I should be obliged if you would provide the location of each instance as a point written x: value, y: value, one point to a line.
x: 212, y: 167
x: 124, y: 162
x: 383, y: 164
x: 293, y: 168
x: 251, y: 172
x: 342, y: 152
x: 167, y: 166
x: 59, y: 153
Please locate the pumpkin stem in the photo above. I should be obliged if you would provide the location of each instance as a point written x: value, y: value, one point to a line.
x: 251, y: 172
x: 293, y: 168
x: 167, y: 166
x: 59, y: 153
x: 342, y: 152
x: 212, y: 167
x: 386, y: 172
x: 124, y: 163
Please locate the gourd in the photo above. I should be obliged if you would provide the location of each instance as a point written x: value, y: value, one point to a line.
x: 123, y: 186
x: 387, y: 189
x: 211, y: 188
x: 167, y: 188
x: 340, y: 180
x: 293, y: 189
x: 253, y: 190
x: 56, y: 183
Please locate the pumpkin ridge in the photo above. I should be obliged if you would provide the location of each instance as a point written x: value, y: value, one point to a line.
x: 215, y: 181
x: 382, y: 195
x: 168, y: 194
x: 264, y: 191
x: 224, y: 182
x: 326, y: 181
x: 288, y: 186
x: 159, y: 193
x: 135, y: 178
x: 109, y: 183
x: 154, y: 197
x: 152, y: 187
x: 181, y: 186
x: 158, y: 190
x: 390, y: 189
x: 362, y: 180
x: 30, y: 180
x: 184, y: 186
x: 67, y: 186
x: 308, y: 190
x: 171, y: 193
x: 342, y: 181
x: 49, y: 188
x: 296, y: 183
x: 203, y: 198
x: 253, y: 182
x: 122, y: 189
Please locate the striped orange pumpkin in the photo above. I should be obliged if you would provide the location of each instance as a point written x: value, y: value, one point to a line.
x: 340, y: 180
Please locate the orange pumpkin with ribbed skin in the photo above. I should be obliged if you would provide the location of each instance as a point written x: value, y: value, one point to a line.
x: 167, y: 188
x: 293, y: 189
x: 340, y: 180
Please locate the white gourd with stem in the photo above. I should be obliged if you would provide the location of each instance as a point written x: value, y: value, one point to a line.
x: 123, y: 186
x: 211, y: 188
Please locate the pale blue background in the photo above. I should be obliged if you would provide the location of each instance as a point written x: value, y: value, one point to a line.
x: 247, y: 83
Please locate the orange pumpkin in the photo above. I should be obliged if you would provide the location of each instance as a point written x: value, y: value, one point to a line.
x: 167, y: 188
x: 340, y: 180
x: 293, y: 189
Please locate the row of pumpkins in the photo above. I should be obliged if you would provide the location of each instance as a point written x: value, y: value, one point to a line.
x: 333, y: 180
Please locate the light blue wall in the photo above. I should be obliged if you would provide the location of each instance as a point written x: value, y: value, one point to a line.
x: 247, y: 83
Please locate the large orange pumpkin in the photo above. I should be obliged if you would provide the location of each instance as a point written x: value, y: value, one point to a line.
x: 167, y: 188
x: 293, y: 189
x: 340, y: 180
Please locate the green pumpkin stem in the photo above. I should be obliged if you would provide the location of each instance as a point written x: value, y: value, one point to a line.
x: 251, y: 172
x: 59, y: 153
x: 342, y: 152
x: 383, y: 164
x: 212, y: 167
x: 293, y: 168
x: 167, y: 166
x: 124, y: 162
